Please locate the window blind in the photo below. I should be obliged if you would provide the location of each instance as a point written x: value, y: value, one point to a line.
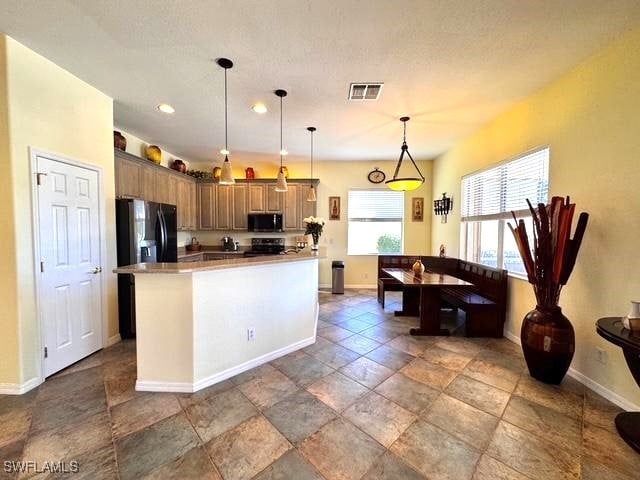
x: 376, y: 205
x: 495, y: 192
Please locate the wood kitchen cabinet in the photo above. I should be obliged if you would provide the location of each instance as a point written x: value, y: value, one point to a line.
x: 205, y: 207
x: 224, y: 207
x: 292, y: 207
x: 274, y: 199
x: 186, y: 204
x: 240, y: 208
x: 139, y: 178
x: 257, y: 201
x: 128, y: 174
x: 148, y: 183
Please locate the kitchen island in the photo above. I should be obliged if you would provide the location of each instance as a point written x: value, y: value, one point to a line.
x: 199, y: 323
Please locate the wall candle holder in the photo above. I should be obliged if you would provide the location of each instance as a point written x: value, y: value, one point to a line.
x: 443, y: 206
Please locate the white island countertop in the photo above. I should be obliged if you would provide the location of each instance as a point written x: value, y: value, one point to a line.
x: 191, y: 267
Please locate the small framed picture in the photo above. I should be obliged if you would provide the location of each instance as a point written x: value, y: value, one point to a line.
x: 417, y: 209
x: 334, y: 208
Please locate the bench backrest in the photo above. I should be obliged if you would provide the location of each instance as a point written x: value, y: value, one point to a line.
x: 489, y: 282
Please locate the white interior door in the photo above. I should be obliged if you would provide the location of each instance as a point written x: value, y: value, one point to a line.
x: 70, y: 286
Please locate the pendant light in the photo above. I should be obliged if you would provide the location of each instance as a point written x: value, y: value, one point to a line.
x: 226, y: 176
x: 404, y: 184
x: 311, y: 195
x: 281, y: 183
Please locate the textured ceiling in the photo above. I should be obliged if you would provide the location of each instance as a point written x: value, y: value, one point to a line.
x: 451, y: 65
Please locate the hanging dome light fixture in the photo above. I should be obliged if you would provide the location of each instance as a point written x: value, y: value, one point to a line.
x: 281, y: 182
x: 311, y: 195
x: 404, y: 184
x: 226, y: 176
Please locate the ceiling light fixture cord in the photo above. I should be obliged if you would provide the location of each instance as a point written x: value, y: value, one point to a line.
x: 405, y: 149
x: 226, y: 128
x: 280, y: 133
x: 311, y: 153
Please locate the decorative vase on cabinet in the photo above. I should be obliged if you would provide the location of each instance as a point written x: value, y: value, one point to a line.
x: 119, y: 141
x: 153, y: 153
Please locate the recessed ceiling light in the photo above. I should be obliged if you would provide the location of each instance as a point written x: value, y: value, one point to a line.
x: 259, y: 108
x: 166, y: 108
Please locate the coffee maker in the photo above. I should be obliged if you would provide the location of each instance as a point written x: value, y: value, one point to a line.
x: 228, y: 245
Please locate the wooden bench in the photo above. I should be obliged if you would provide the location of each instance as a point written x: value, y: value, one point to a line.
x: 484, y: 304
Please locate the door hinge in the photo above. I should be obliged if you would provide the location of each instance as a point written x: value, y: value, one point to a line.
x: 42, y: 267
x: 39, y: 176
x: 46, y: 352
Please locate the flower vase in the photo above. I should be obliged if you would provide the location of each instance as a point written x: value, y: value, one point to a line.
x: 314, y: 246
x: 632, y: 320
x: 548, y: 343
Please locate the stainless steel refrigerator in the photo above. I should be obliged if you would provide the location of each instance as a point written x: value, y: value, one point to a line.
x: 146, y: 233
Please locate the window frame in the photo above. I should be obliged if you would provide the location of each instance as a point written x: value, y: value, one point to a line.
x: 402, y: 221
x: 501, y: 217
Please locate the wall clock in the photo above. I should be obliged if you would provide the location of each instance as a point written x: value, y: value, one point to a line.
x: 376, y: 176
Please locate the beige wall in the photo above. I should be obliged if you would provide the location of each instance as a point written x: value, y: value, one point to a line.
x: 336, y: 178
x: 49, y: 109
x: 10, y: 351
x: 589, y: 118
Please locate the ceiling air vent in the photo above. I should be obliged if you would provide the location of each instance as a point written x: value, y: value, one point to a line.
x: 365, y: 91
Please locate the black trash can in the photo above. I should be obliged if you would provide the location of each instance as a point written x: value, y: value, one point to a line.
x: 337, y: 276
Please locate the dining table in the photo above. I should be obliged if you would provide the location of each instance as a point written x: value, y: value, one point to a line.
x: 421, y: 296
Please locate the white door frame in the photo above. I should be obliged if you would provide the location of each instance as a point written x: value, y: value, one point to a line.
x: 33, y: 154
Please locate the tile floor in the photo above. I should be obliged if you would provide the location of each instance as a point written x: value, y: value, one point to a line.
x: 366, y: 401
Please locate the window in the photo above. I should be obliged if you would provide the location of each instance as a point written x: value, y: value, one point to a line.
x: 489, y: 197
x: 375, y: 222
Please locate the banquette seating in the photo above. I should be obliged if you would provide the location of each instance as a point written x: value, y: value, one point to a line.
x: 484, y: 303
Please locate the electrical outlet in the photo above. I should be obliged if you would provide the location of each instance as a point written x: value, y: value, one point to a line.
x: 366, y: 275
x: 601, y: 356
x: 251, y: 334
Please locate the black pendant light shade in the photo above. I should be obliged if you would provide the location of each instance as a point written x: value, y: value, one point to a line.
x: 281, y: 182
x: 226, y: 176
x: 405, y: 183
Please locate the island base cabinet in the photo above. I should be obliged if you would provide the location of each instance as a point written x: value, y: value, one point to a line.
x: 188, y: 339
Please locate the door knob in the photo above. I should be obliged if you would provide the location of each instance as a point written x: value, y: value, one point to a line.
x: 96, y: 270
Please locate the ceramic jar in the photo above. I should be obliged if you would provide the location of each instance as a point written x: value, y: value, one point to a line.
x: 119, y: 141
x: 418, y: 268
x: 153, y: 153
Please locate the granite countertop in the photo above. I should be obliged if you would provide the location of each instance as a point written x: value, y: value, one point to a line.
x: 192, y: 267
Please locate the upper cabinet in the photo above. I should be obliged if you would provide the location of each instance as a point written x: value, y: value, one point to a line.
x: 138, y: 178
x: 128, y: 178
x: 208, y: 205
x: 226, y: 207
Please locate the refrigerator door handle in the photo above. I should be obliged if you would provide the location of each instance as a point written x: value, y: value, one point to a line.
x: 163, y: 237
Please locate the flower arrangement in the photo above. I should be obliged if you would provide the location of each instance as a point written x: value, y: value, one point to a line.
x: 551, y: 260
x: 314, y: 226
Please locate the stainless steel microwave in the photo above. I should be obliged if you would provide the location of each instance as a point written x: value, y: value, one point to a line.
x: 265, y: 222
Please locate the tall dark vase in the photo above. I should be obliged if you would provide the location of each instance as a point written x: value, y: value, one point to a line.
x: 548, y: 342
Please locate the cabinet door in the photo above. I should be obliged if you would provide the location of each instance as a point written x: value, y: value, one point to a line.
x: 183, y: 205
x: 193, y: 205
x: 274, y: 199
x: 292, y: 208
x: 257, y: 200
x: 206, y: 201
x: 148, y: 183
x: 127, y: 179
x: 239, y: 207
x: 224, y: 207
